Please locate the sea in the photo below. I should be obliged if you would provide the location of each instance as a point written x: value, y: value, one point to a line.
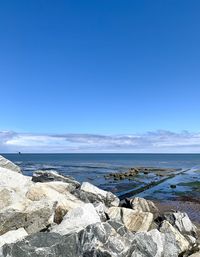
x: 94, y: 168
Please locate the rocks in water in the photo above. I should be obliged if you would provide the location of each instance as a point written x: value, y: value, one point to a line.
x: 12, y: 236
x: 77, y: 219
x: 95, y: 194
x: 4, y: 163
x: 133, y: 220
x: 140, y: 204
x: 52, y: 175
x: 123, y: 175
x: 44, y: 245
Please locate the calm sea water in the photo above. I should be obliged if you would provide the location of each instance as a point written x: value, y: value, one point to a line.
x: 93, y: 167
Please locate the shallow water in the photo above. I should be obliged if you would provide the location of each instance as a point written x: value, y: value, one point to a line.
x: 93, y: 167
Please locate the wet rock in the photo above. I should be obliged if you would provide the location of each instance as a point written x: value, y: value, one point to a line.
x: 13, y: 236
x: 51, y: 175
x: 44, y: 245
x: 77, y: 219
x: 140, y: 204
x: 133, y: 220
x: 94, y: 194
x: 173, y: 186
x: 174, y: 242
x: 4, y: 163
x: 33, y: 217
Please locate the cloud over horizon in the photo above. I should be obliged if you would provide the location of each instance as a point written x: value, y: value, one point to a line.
x: 160, y: 141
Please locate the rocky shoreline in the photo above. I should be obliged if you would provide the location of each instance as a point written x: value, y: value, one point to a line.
x: 51, y: 215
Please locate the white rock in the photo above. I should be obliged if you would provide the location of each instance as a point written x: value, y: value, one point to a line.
x: 141, y: 204
x: 77, y: 219
x: 107, y: 197
x: 183, y: 223
x: 12, y: 236
x: 4, y: 163
x: 133, y: 220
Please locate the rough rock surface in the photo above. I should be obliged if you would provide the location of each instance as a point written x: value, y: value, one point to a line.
x: 52, y: 175
x: 140, y: 204
x: 4, y: 163
x: 77, y: 219
x: 133, y: 220
x: 94, y: 194
x: 13, y: 236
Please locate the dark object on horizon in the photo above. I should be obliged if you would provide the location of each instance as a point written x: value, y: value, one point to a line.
x: 19, y: 152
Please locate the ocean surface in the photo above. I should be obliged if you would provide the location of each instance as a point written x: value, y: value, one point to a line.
x: 93, y: 168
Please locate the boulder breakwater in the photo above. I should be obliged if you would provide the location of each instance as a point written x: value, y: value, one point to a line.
x: 52, y: 215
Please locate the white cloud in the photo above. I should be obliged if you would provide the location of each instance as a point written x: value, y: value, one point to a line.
x: 160, y: 141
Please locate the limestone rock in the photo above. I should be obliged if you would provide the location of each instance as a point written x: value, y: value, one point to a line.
x: 148, y: 244
x: 4, y: 163
x: 43, y: 245
x: 95, y: 194
x: 174, y: 242
x: 13, y: 236
x: 33, y: 217
x: 54, y: 192
x: 101, y: 239
x: 141, y: 204
x: 52, y: 175
x: 133, y: 220
x: 77, y: 219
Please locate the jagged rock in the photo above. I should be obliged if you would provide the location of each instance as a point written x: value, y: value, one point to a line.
x: 52, y: 175
x: 33, y: 217
x: 195, y: 254
x: 94, y: 194
x: 101, y: 209
x: 101, y: 239
x: 54, y: 192
x: 181, y: 221
x: 77, y: 219
x: 148, y: 244
x: 140, y: 204
x: 13, y: 236
x: 133, y: 220
x: 44, y: 245
x: 174, y: 242
x: 4, y: 163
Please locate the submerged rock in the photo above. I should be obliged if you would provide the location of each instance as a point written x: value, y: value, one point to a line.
x: 133, y: 220
x: 52, y: 175
x: 4, y: 163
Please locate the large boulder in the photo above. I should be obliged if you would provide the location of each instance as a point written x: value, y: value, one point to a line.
x: 33, y: 216
x: 101, y: 239
x: 52, y: 175
x: 141, y: 204
x: 77, y: 219
x: 54, y: 192
x: 44, y: 245
x: 174, y: 242
x: 12, y: 236
x: 148, y: 244
x: 4, y: 163
x: 91, y: 193
x: 133, y: 220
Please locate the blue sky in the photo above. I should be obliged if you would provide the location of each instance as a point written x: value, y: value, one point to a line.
x: 104, y: 68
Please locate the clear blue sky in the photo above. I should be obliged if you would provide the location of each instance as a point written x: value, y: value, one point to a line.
x: 105, y: 67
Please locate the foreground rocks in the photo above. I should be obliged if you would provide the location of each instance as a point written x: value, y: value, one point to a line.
x: 51, y: 215
x: 4, y: 163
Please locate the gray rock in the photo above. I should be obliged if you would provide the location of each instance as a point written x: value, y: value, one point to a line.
x: 101, y: 239
x: 33, y: 217
x: 44, y: 245
x: 77, y: 219
x: 13, y: 236
x: 95, y: 194
x: 4, y: 163
x: 52, y: 175
x: 101, y: 209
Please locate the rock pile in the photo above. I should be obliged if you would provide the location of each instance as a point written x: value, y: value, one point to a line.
x: 50, y: 215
